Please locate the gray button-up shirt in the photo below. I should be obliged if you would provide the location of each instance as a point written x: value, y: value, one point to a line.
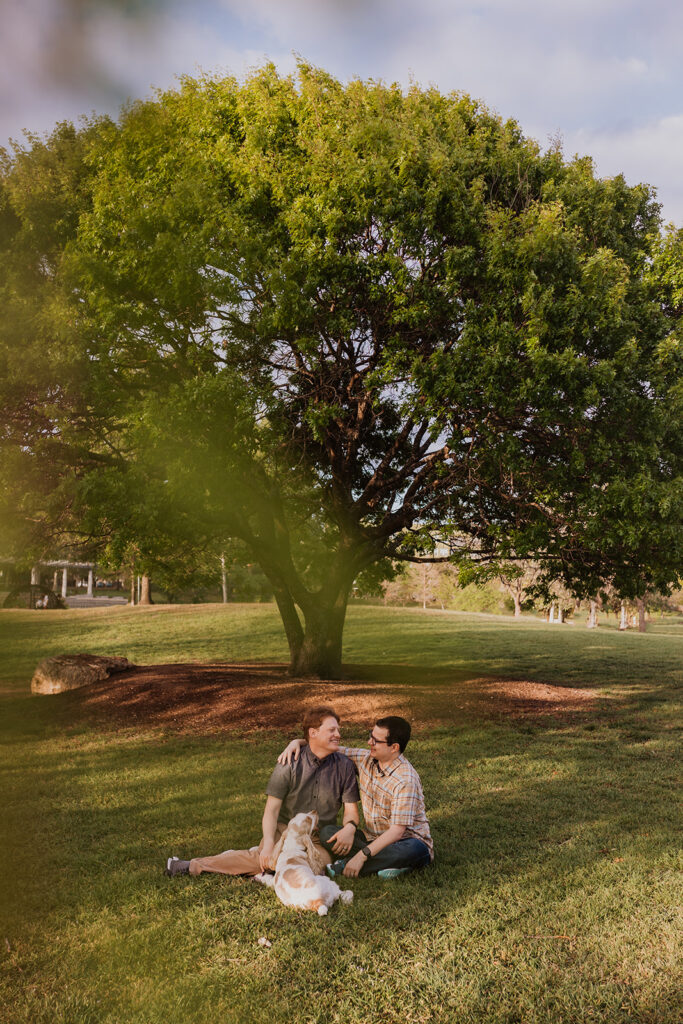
x: 312, y: 784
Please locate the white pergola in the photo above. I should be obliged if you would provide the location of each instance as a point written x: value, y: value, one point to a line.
x: 65, y: 566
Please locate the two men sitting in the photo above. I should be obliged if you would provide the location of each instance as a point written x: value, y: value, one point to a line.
x: 317, y: 773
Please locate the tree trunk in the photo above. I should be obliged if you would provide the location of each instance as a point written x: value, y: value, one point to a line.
x: 641, y: 615
x: 518, y: 604
x: 290, y: 619
x: 623, y: 622
x: 593, y: 615
x: 315, y: 648
x: 146, y: 591
x: 224, y: 580
x: 320, y: 653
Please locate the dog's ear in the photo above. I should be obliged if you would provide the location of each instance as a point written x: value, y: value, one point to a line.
x: 277, y: 850
x: 314, y: 856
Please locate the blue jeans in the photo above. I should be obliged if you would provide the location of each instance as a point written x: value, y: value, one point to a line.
x: 405, y: 853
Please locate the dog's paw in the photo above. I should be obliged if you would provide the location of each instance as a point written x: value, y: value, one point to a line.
x: 322, y: 910
x: 347, y: 896
x: 265, y: 879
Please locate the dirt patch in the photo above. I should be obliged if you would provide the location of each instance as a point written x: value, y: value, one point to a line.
x: 196, y: 698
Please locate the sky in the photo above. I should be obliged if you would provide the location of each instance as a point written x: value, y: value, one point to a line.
x: 605, y: 76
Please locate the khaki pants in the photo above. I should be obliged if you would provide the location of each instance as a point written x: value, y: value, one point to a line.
x: 244, y: 862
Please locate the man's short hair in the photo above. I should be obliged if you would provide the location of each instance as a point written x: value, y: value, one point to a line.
x: 315, y: 717
x: 398, y: 728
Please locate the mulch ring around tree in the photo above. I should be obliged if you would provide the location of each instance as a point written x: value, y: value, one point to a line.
x: 200, y: 698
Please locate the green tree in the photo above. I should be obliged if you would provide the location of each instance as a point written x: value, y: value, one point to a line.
x: 53, y: 424
x: 336, y: 322
x: 516, y: 578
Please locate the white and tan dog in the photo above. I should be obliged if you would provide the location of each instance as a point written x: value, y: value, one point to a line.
x: 299, y: 878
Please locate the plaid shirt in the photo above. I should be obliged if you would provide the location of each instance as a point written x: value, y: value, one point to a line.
x: 390, y: 796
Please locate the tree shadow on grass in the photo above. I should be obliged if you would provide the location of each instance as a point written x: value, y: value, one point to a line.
x: 247, y: 699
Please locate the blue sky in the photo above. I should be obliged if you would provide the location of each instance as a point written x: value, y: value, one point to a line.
x: 604, y: 75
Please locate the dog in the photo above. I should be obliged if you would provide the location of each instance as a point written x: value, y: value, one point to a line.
x: 300, y: 879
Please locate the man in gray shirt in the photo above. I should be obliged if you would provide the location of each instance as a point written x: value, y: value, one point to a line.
x: 320, y: 780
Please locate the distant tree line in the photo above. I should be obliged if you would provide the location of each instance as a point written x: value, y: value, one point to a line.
x: 511, y: 589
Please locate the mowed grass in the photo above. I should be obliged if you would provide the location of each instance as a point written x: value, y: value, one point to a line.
x: 407, y: 638
x: 553, y: 898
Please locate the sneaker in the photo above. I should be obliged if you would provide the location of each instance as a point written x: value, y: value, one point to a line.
x: 337, y: 868
x: 174, y: 867
x: 392, y: 872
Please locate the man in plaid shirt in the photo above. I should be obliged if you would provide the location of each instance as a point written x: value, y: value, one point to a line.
x: 396, y: 836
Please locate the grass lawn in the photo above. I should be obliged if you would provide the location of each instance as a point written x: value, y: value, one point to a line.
x: 553, y: 898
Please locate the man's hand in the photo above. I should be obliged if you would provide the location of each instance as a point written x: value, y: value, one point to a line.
x: 265, y: 853
x: 291, y: 751
x: 353, y: 866
x: 342, y: 841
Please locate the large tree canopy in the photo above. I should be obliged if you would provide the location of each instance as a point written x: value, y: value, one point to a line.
x: 338, y: 323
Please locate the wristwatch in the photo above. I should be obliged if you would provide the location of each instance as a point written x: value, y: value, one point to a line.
x: 367, y: 852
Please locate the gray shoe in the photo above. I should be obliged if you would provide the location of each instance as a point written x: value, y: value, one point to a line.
x: 174, y: 867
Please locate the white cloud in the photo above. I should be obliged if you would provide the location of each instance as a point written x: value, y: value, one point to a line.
x: 635, y: 66
x: 181, y: 46
x: 651, y: 153
x: 520, y: 74
x: 97, y: 63
x: 305, y: 18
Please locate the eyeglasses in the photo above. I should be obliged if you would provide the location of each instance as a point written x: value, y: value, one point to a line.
x: 373, y: 739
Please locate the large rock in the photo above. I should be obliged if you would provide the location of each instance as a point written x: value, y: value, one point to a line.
x: 69, y: 671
